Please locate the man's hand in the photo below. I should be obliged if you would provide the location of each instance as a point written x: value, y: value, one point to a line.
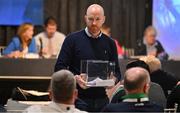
x: 81, y: 80
x: 111, y: 76
x: 111, y: 90
x: 178, y: 83
x: 45, y: 50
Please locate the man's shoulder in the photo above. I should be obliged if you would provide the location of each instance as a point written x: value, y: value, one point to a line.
x: 161, y: 74
x: 76, y: 35
x: 40, y: 35
x: 33, y: 108
x: 126, y: 106
x: 115, y: 106
x: 59, y: 34
x: 38, y: 109
x: 79, y: 111
x: 107, y: 37
x: 154, y: 107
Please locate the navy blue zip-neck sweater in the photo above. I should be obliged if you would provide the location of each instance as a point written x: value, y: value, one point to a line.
x: 79, y: 46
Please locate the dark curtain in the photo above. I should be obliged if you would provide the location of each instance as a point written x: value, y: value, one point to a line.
x: 127, y: 18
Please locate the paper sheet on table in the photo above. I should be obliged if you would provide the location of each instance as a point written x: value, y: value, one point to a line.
x: 35, y: 102
x: 36, y: 93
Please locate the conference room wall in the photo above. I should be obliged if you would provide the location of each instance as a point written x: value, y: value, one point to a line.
x: 127, y: 18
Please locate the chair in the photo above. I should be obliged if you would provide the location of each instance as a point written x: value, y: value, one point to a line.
x: 174, y: 98
x: 158, y: 98
x: 171, y: 110
x: 1, y: 49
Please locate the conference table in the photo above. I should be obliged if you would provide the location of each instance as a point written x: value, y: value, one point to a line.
x: 35, y: 74
x: 39, y: 70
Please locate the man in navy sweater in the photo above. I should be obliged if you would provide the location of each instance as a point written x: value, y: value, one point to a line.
x: 89, y: 44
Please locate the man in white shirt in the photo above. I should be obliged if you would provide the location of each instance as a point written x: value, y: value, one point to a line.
x: 50, y: 41
x: 63, y: 93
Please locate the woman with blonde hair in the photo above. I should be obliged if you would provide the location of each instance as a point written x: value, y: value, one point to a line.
x: 150, y: 45
x: 165, y: 79
x: 23, y: 44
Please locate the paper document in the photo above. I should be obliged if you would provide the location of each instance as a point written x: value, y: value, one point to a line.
x: 100, y: 83
x: 36, y: 93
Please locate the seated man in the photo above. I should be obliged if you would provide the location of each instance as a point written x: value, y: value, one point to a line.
x: 50, y: 41
x: 116, y: 93
x: 63, y: 94
x: 136, y: 84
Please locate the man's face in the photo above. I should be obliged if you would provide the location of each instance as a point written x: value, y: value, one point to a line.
x: 94, y: 22
x: 51, y: 29
x: 150, y: 38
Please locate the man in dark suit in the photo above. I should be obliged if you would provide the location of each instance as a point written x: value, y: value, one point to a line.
x: 136, y: 84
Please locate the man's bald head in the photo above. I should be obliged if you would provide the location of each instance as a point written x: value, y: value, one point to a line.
x: 94, y: 19
x: 136, y: 79
x: 95, y: 8
x: 62, y: 86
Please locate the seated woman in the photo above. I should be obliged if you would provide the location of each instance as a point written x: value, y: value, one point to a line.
x: 165, y: 79
x: 151, y: 46
x: 22, y: 44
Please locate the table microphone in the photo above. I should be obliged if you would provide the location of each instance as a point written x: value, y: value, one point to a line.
x: 41, y: 47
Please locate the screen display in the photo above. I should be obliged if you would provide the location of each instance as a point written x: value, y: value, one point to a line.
x: 16, y: 12
x: 166, y: 19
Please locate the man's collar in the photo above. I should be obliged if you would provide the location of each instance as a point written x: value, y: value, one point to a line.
x: 61, y: 107
x: 145, y: 99
x: 89, y: 34
x: 47, y: 34
x: 135, y: 97
x: 155, y: 44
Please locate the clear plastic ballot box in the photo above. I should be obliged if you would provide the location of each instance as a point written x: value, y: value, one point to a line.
x: 98, y: 73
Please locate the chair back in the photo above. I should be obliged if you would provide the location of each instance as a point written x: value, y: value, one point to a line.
x: 171, y: 110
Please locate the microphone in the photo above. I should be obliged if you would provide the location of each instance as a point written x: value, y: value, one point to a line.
x: 41, y: 47
x: 139, y: 42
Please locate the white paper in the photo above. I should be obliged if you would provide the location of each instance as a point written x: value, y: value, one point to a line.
x: 100, y: 83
